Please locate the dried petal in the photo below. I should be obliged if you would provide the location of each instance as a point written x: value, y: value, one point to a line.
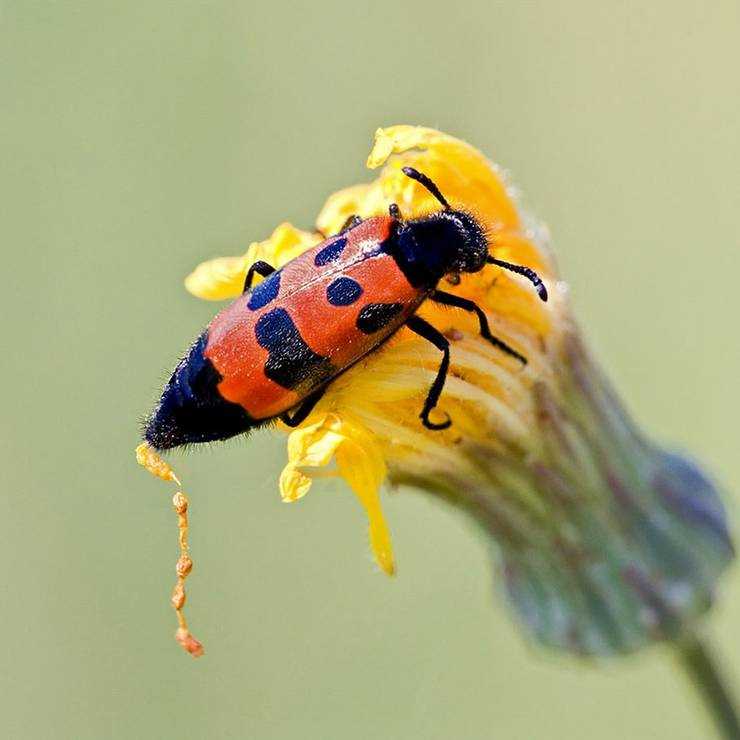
x: 189, y: 643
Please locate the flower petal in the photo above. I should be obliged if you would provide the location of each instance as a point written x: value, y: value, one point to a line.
x: 310, y: 446
x: 223, y: 277
x: 284, y: 244
x: 455, y: 166
x: 340, y: 206
x: 294, y: 483
x: 363, y: 467
x: 360, y: 462
x: 217, y: 279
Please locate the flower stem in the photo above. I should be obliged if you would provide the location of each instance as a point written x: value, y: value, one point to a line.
x: 701, y: 668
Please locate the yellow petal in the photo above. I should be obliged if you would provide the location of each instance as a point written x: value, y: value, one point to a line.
x: 310, y: 446
x: 402, y: 138
x: 340, y: 206
x: 360, y: 462
x: 459, y: 170
x: 217, y: 279
x: 294, y: 483
x: 223, y: 277
x: 313, y: 445
x: 362, y: 465
x: 284, y: 244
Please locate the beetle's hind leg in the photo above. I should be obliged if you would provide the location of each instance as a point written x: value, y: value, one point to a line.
x: 428, y: 332
x: 303, y: 410
x: 448, y: 299
x: 260, y: 268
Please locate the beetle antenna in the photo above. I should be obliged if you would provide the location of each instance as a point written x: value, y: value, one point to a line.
x: 427, y: 183
x: 527, y: 272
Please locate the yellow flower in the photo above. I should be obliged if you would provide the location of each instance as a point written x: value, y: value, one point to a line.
x: 603, y: 541
x: 219, y: 279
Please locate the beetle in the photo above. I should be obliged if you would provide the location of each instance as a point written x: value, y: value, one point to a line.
x: 272, y: 353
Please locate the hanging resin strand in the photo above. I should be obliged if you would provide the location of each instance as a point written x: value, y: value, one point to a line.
x: 151, y: 461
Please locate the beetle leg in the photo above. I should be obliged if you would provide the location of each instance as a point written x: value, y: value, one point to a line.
x: 303, y: 410
x: 259, y: 267
x: 448, y: 299
x: 428, y: 332
x: 350, y: 223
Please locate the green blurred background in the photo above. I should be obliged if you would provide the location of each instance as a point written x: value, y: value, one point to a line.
x: 139, y: 138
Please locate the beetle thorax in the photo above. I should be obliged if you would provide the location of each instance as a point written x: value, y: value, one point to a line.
x: 442, y: 243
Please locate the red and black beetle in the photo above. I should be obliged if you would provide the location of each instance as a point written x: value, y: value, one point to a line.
x: 278, y: 346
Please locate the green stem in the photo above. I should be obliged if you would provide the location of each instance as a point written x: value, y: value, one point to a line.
x: 702, y: 670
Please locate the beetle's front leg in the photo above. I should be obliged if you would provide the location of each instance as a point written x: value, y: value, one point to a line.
x: 260, y: 268
x: 448, y: 299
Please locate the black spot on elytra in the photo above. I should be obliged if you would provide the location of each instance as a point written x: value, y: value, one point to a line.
x: 291, y: 361
x: 191, y: 410
x: 343, y: 292
x: 375, y: 316
x: 330, y: 252
x: 265, y: 292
